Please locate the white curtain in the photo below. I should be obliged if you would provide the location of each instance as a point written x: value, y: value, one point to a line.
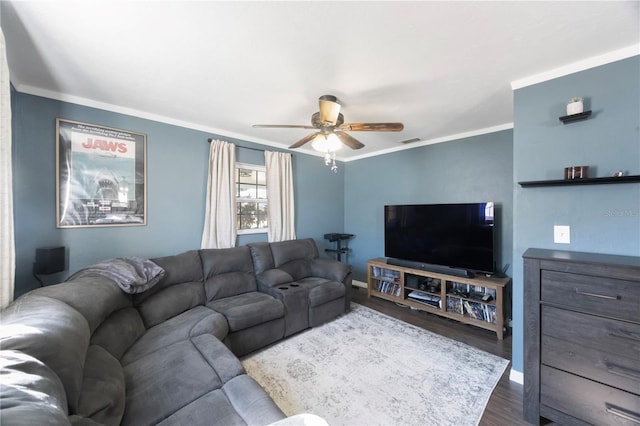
x: 220, y: 214
x: 7, y: 247
x: 280, y: 194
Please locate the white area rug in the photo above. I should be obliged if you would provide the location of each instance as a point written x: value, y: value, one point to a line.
x: 366, y: 368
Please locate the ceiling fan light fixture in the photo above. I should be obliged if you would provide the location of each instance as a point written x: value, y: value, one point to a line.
x: 331, y: 135
x: 326, y: 143
x: 329, y: 110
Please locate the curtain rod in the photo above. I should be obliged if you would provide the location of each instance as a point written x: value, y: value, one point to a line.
x: 240, y: 146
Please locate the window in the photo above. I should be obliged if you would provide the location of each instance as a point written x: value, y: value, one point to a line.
x: 251, y: 198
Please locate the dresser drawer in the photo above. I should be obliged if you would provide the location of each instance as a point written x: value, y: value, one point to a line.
x: 610, y: 369
x: 589, y: 331
x: 587, y: 400
x: 598, y: 295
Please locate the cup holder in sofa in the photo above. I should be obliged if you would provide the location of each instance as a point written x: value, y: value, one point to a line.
x: 296, y: 304
x: 284, y: 287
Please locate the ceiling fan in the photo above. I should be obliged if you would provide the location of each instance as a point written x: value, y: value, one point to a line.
x: 329, y: 121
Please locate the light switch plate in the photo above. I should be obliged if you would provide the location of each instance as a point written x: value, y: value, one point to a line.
x: 562, y: 234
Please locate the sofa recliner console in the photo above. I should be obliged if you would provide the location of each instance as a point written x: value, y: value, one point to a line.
x: 84, y: 352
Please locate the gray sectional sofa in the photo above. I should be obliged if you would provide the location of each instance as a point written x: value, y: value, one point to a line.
x: 86, y: 353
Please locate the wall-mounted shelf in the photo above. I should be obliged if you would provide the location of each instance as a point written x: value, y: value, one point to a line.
x: 575, y: 117
x: 586, y: 181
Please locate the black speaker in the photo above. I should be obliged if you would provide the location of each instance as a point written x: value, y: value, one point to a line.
x: 412, y: 281
x: 49, y: 260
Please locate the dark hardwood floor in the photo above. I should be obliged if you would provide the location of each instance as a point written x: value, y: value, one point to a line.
x: 505, y: 405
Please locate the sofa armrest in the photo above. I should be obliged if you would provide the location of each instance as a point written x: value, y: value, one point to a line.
x: 272, y: 278
x: 330, y: 269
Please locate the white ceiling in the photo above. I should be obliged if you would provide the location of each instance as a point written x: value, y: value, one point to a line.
x: 441, y: 68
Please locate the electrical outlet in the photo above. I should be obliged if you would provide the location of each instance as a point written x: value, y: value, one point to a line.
x: 562, y: 234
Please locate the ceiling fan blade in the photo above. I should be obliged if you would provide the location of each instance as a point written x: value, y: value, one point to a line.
x: 349, y: 140
x: 304, y: 140
x: 373, y: 127
x: 329, y: 110
x: 317, y: 124
x: 283, y: 126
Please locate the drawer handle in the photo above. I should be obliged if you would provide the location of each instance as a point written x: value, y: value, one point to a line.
x: 620, y: 412
x: 600, y: 296
x: 623, y: 372
x: 625, y: 335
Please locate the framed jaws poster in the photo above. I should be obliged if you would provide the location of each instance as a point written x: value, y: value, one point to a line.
x: 100, y: 176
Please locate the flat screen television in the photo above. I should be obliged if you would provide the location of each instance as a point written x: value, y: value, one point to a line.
x: 457, y: 236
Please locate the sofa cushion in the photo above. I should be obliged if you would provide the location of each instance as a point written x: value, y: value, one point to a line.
x: 241, y: 401
x: 77, y: 420
x: 52, y: 332
x: 118, y: 332
x: 242, y: 342
x: 94, y: 297
x: 297, y: 268
x: 180, y: 290
x: 180, y: 268
x: 286, y: 251
x: 294, y: 256
x: 194, y: 322
x: 330, y: 269
x: 262, y: 257
x: 103, y: 392
x: 251, y: 401
x: 31, y: 393
x: 227, y: 272
x: 272, y: 278
x: 321, y: 290
x: 249, y: 309
x: 163, y: 382
x: 170, y: 302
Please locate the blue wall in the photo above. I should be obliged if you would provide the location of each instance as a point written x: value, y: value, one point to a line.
x: 176, y: 185
x: 603, y: 218
x: 468, y: 170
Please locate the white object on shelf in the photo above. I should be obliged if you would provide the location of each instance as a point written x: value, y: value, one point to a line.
x: 575, y: 106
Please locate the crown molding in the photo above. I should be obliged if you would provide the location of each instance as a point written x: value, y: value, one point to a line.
x: 36, y: 91
x: 448, y: 138
x: 594, y: 61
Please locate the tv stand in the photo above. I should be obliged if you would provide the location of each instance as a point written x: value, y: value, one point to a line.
x: 478, y: 301
x: 458, y: 272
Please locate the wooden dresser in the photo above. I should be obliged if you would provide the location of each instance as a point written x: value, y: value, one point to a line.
x: 581, y: 338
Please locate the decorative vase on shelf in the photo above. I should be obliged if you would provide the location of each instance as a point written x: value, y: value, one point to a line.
x: 575, y: 106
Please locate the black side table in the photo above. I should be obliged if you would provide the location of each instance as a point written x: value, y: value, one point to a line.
x: 340, y: 249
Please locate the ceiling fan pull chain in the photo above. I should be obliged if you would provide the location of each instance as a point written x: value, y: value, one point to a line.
x: 334, y: 168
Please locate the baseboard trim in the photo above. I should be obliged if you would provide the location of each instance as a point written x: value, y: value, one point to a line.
x: 358, y: 283
x: 516, y: 376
